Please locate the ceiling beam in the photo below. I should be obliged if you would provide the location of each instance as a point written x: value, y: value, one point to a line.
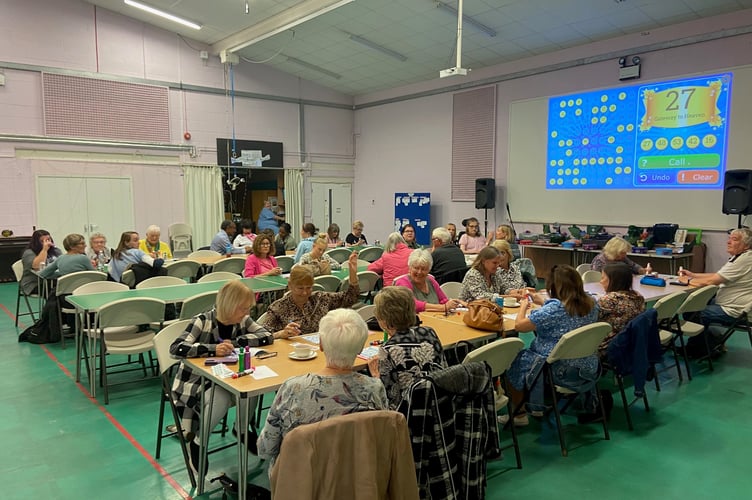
x: 285, y: 20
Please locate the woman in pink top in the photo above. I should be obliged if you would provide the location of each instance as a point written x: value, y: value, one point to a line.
x: 428, y: 294
x: 472, y: 241
x: 261, y: 261
x: 393, y: 261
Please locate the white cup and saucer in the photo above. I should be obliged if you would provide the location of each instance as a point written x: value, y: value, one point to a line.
x: 511, y: 302
x: 302, y: 352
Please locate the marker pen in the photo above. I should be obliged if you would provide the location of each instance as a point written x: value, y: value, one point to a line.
x: 243, y: 373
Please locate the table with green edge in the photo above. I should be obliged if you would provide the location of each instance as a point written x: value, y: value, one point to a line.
x: 91, y: 303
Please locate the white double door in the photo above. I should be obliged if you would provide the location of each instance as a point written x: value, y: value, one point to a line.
x: 85, y: 205
x: 332, y: 203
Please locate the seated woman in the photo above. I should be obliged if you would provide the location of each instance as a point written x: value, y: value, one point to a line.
x: 472, y: 241
x: 509, y: 272
x: 97, y: 246
x: 568, y: 307
x: 483, y: 279
x: 393, y: 262
x: 214, y: 333
x: 410, y: 352
x: 245, y: 237
x: 261, y: 262
x: 427, y: 293
x: 506, y: 233
x: 127, y: 254
x: 620, y: 304
x: 332, y: 236
x: 267, y: 219
x: 40, y: 252
x: 152, y: 246
x: 356, y: 237
x: 307, y: 237
x: 72, y: 261
x: 335, y: 390
x: 615, y: 250
x: 300, y: 310
x: 408, y: 234
x: 284, y: 240
x: 318, y: 261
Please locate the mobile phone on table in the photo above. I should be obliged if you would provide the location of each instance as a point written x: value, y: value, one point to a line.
x: 264, y: 355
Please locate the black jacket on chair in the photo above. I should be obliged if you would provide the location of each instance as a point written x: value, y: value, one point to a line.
x: 636, y: 349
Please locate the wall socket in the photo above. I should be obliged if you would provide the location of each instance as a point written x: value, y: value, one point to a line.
x: 204, y: 54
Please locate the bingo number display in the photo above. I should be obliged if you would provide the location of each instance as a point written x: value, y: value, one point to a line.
x: 662, y: 135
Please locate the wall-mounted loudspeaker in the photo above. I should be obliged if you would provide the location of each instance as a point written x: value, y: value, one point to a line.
x: 485, y: 193
x: 737, y: 192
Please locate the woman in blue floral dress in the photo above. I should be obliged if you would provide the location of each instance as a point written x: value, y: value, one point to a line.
x: 568, y: 307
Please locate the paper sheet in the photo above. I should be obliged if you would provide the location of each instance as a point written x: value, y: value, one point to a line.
x: 262, y: 371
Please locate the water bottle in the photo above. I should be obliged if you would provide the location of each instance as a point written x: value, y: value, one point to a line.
x: 648, y: 269
x: 228, y: 249
x: 247, y: 360
x: 241, y: 360
x: 100, y: 261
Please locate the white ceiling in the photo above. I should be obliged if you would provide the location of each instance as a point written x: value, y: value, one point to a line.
x: 420, y: 31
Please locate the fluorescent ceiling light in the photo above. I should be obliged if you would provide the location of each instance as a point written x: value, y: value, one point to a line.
x: 313, y: 67
x: 375, y: 46
x: 469, y: 20
x: 163, y: 14
x: 285, y: 20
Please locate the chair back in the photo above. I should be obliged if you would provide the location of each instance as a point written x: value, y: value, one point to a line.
x: 498, y: 354
x: 68, y: 283
x: 261, y: 319
x: 18, y: 269
x: 164, y: 340
x: 452, y: 289
x: 580, y: 342
x: 318, y: 287
x: 668, y: 305
x: 370, y: 254
x: 219, y: 276
x: 198, y: 304
x: 230, y: 265
x: 100, y: 287
x: 367, y: 281
x: 367, y: 312
x: 181, y: 237
x: 329, y: 282
x: 179, y: 229
x: 583, y: 268
x: 285, y: 262
x: 591, y: 276
x: 128, y: 278
x: 362, y: 264
x: 389, y: 473
x: 202, y: 254
x: 158, y: 281
x: 132, y: 311
x: 697, y: 300
x: 457, y: 275
x: 339, y: 254
x: 184, y: 269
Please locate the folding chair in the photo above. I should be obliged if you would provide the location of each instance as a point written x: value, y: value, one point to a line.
x: 158, y: 281
x: 579, y: 343
x: 741, y: 323
x: 18, y: 273
x: 329, y: 282
x: 185, y: 269
x: 583, y: 268
x: 591, y: 276
x: 499, y: 355
x: 231, y: 265
x: 693, y: 303
x: 339, y: 254
x: 452, y: 289
x: 370, y: 254
x: 65, y: 286
x: 666, y: 308
x: 219, y: 276
x: 285, y: 262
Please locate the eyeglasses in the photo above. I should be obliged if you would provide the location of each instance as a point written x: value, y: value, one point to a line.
x: 473, y: 226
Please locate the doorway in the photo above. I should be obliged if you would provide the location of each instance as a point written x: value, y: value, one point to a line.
x: 331, y: 203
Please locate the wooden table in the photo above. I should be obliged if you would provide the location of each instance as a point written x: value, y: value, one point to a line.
x: 651, y: 293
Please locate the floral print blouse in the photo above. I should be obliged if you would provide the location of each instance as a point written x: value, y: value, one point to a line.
x: 618, y: 309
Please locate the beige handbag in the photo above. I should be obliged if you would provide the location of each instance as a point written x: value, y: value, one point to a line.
x: 484, y: 315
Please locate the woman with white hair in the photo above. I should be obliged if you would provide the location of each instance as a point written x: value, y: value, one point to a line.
x: 393, y: 262
x: 428, y: 294
x: 615, y: 250
x: 335, y: 390
x: 152, y: 246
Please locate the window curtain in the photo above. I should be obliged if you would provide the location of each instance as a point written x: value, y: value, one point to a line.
x: 204, y: 202
x: 294, y: 199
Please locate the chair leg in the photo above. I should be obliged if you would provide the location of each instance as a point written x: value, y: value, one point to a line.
x: 18, y: 303
x: 103, y: 369
x: 624, y: 402
x: 512, y: 429
x: 559, y: 427
x: 710, y: 354
x: 685, y: 356
x: 603, y: 413
x: 160, y: 423
x: 31, y: 311
x: 645, y: 401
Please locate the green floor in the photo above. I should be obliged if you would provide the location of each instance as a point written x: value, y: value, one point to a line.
x: 59, y: 443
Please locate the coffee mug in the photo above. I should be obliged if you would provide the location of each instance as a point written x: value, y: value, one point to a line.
x: 510, y: 302
x: 303, y: 351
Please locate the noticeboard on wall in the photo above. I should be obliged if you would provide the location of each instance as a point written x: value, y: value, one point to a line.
x: 415, y: 209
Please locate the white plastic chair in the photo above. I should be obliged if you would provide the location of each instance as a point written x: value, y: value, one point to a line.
x: 158, y: 281
x: 370, y: 254
x: 219, y: 276
x: 18, y: 273
x: 591, y: 276
x: 666, y: 308
x: 367, y: 312
x: 285, y: 262
x: 452, y: 289
x: 181, y: 237
x: 579, y: 343
x: 329, y: 282
x: 185, y: 269
x: 583, y: 268
x: 65, y: 286
x: 694, y: 302
x: 203, y: 254
x: 230, y: 265
x: 339, y: 254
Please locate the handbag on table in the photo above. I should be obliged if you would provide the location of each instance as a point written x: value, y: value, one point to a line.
x: 484, y: 315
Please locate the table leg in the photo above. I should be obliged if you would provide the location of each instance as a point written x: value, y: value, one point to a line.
x: 204, y: 433
x: 242, y: 417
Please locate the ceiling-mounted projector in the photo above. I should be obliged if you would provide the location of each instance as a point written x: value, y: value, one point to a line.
x: 453, y: 72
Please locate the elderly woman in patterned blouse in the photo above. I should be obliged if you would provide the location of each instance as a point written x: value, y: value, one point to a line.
x: 335, y: 390
x: 319, y: 262
x: 509, y: 272
x: 214, y: 333
x: 411, y: 350
x: 620, y: 304
x: 300, y: 310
